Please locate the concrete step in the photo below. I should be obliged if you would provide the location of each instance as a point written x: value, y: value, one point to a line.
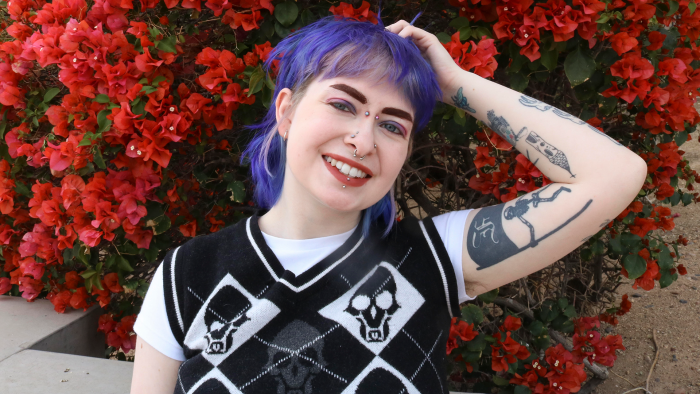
x: 34, y: 371
x: 35, y: 325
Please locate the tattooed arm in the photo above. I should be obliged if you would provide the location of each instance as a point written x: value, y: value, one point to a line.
x: 595, y: 179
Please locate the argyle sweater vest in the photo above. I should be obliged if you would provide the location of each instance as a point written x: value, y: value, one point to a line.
x: 372, y: 317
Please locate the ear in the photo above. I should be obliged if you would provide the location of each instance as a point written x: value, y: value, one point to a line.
x: 284, y: 114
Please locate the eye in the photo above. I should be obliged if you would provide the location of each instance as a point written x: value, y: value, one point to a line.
x: 335, y: 105
x: 397, y: 130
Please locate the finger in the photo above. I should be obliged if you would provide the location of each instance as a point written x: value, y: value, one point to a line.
x: 397, y: 26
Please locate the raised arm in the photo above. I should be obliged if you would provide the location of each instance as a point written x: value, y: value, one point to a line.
x: 595, y: 178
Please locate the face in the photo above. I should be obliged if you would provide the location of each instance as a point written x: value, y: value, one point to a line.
x: 322, y: 126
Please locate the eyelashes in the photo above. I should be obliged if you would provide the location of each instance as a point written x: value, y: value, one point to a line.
x: 398, y: 131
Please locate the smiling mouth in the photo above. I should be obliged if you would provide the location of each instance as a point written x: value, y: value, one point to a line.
x: 346, y: 169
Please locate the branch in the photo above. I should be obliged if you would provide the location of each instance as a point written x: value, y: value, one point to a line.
x: 416, y: 193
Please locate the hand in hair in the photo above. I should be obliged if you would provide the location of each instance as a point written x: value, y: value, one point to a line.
x: 432, y: 49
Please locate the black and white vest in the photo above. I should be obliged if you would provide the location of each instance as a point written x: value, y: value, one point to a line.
x: 372, y: 317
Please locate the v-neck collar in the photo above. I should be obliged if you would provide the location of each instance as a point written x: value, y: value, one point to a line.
x: 310, y: 276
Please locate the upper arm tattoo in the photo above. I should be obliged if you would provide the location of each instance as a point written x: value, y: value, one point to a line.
x: 487, y: 242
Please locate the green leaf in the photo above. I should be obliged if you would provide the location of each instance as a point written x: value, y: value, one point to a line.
x: 477, y: 344
x: 88, y: 273
x: 488, y: 298
x: 471, y: 357
x: 521, y: 390
x: 635, y: 265
x: 537, y: 328
x: 603, y: 18
x: 579, y: 66
x: 548, y: 312
x: 499, y: 381
x: 307, y: 17
x: 238, y: 191
x: 256, y: 81
x: 519, y: 82
x: 22, y: 189
x: 472, y: 314
x: 481, y: 32
x: 665, y: 260
x: 102, y: 98
x: 159, y: 225
x: 50, y: 94
x: 549, y: 59
x: 465, y: 32
x: 123, y: 264
x: 158, y: 79
x: 98, y: 159
x: 102, y: 121
x: 167, y: 44
x: 459, y: 22
x: 667, y: 279
x: 681, y: 138
x: 286, y: 13
x: 3, y: 126
x: 443, y: 37
x: 672, y: 7
x: 691, y: 7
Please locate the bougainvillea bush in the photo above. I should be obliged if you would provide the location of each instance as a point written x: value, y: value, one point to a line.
x: 122, y: 129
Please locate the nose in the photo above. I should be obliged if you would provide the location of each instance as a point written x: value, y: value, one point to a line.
x: 362, y: 138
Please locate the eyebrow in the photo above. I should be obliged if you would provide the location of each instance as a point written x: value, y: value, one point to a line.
x: 354, y: 93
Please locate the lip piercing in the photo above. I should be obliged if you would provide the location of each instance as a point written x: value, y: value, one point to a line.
x: 355, y: 154
x: 343, y: 186
x: 367, y: 113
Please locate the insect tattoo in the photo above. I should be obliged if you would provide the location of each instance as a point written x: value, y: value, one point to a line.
x: 461, y: 102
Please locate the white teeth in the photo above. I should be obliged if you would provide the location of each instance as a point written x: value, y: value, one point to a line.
x: 345, y: 169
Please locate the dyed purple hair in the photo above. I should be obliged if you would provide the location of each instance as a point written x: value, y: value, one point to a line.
x: 338, y: 47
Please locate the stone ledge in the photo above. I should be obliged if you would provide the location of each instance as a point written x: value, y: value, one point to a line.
x: 35, y: 371
x: 35, y: 325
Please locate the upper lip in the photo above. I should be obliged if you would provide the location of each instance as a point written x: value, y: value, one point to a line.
x: 350, y: 162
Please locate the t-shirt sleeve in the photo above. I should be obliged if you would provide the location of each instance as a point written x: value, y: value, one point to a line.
x: 450, y: 226
x: 152, y: 322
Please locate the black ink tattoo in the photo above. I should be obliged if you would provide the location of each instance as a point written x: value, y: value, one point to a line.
x: 527, y: 152
x: 487, y: 242
x: 554, y: 155
x: 534, y: 103
x: 501, y: 126
x: 601, y: 226
x: 461, y: 102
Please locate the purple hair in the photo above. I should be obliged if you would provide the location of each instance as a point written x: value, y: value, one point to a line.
x: 338, y: 47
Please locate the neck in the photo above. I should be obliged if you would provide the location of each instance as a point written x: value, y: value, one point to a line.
x: 305, y: 218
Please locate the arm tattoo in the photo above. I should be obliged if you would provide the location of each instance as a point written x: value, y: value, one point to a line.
x: 487, y: 242
x: 601, y: 226
x: 501, y: 126
x: 461, y: 102
x: 533, y: 103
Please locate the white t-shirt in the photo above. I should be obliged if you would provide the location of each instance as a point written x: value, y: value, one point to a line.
x: 297, y: 256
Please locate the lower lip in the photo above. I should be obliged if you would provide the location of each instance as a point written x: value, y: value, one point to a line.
x: 355, y: 182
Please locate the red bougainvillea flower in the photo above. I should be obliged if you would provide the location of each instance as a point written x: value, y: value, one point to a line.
x: 625, y: 306
x: 511, y: 323
x: 249, y: 20
x: 506, y: 352
x: 656, y: 40
x: 362, y: 14
x: 60, y: 300
x: 681, y: 270
x: 5, y: 285
x: 622, y: 42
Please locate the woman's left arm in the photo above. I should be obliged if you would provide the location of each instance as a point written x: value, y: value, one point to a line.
x: 594, y: 176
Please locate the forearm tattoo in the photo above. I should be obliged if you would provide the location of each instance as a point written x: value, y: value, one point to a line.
x: 461, y: 102
x: 534, y: 103
x: 555, y: 156
x: 487, y: 242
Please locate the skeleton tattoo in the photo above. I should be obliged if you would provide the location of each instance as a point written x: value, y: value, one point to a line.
x: 461, y: 102
x: 533, y: 103
x: 487, y: 242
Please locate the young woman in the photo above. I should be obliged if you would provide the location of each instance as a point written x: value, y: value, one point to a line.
x: 321, y: 290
